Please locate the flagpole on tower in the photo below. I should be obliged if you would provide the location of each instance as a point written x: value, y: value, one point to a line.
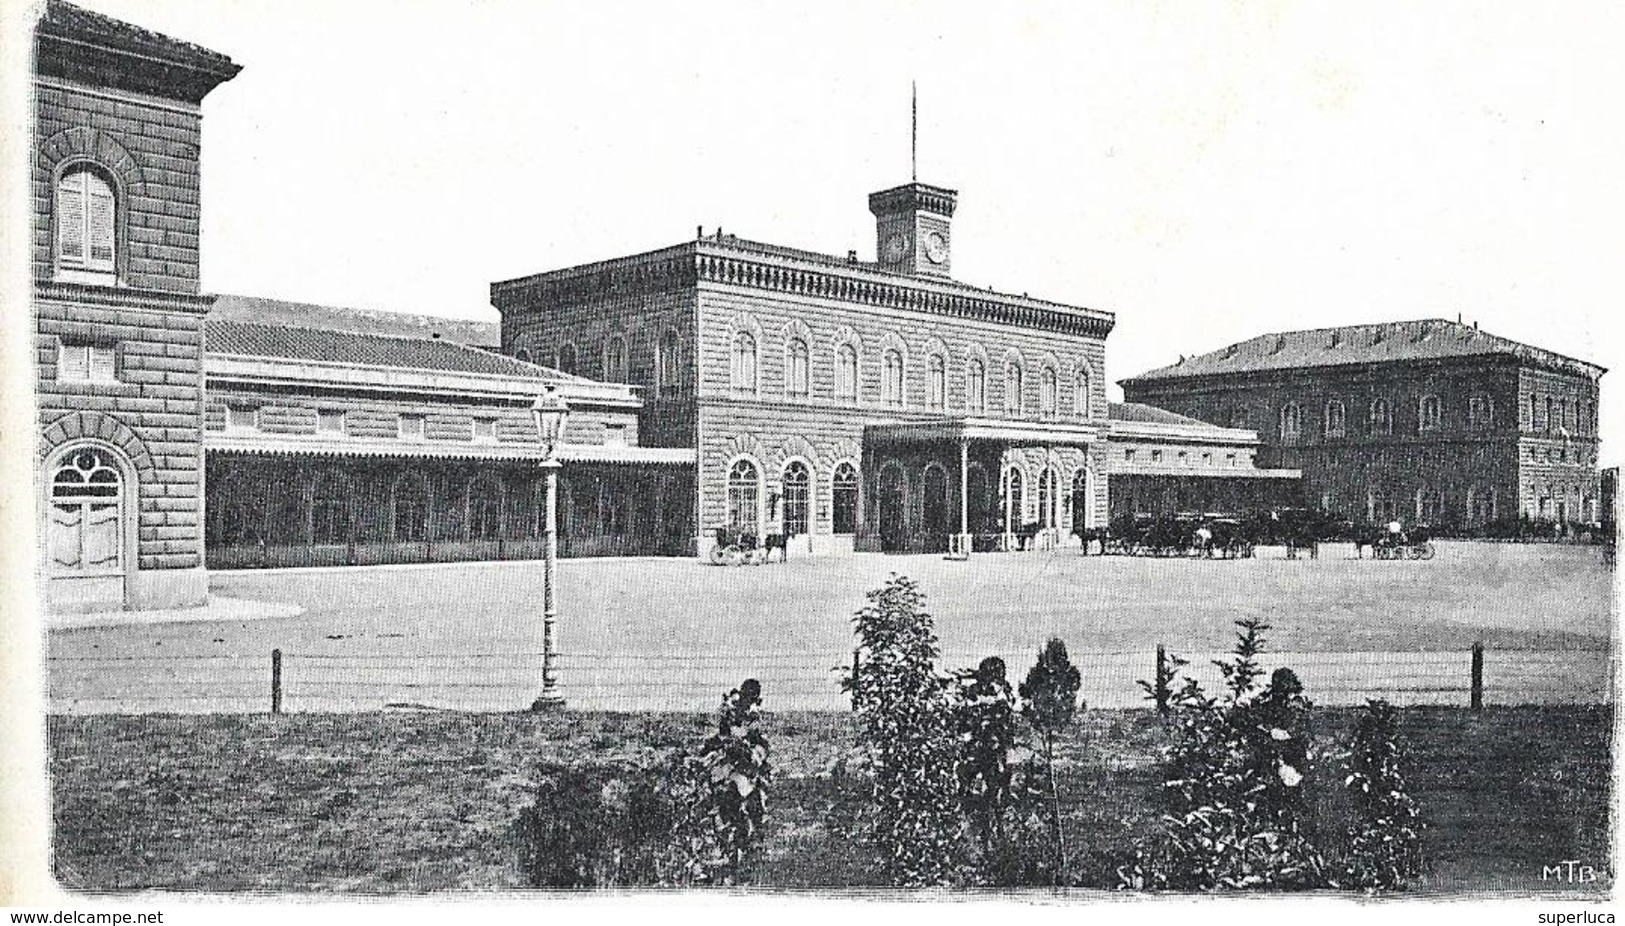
x: 914, y: 131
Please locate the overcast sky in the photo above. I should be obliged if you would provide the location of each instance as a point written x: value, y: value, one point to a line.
x: 1207, y: 171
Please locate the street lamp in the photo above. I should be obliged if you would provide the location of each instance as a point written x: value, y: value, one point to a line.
x: 550, y: 412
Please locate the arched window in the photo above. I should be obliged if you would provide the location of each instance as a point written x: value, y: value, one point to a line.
x: 891, y: 383
x: 1480, y: 413
x: 1551, y: 414
x: 976, y: 386
x: 1047, y: 389
x: 85, y: 221
x: 1427, y: 413
x: 615, y: 359
x: 409, y: 508
x: 846, y: 372
x: 1336, y: 423
x: 522, y: 355
x: 795, y: 368
x: 744, y: 493
x: 797, y: 498
x: 671, y: 364
x: 484, y: 509
x: 1291, y: 421
x: 1382, y: 417
x: 567, y: 359
x: 331, y: 501
x: 85, y: 535
x: 934, y: 502
x: 1012, y: 387
x: 1081, y: 397
x: 743, y: 371
x: 844, y: 499
x: 936, y: 382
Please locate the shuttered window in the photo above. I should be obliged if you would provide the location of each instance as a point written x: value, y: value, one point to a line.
x: 85, y: 210
x: 87, y: 363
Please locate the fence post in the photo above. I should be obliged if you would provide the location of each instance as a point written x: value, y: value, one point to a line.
x: 276, y: 681
x: 1161, y: 690
x: 854, y: 679
x: 1478, y: 677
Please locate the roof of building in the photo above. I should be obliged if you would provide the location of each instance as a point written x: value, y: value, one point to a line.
x: 893, y: 285
x: 1148, y: 414
x: 256, y: 309
x: 76, y: 26
x: 1384, y: 342
x: 326, y: 346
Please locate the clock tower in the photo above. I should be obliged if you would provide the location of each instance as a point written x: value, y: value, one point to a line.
x: 911, y: 228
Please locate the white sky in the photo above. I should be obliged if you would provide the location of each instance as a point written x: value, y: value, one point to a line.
x: 1207, y: 171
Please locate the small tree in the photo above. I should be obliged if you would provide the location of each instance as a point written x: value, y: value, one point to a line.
x: 1049, y: 700
x: 906, y: 726
x: 1385, y: 842
x: 985, y: 719
x: 725, y: 794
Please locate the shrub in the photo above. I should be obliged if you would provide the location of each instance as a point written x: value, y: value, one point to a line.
x: 1234, y: 775
x: 597, y: 825
x: 1049, y: 700
x: 724, y: 792
x: 1384, y: 851
x: 905, y: 726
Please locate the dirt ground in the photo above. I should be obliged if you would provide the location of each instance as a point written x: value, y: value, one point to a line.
x: 411, y: 802
x: 664, y: 634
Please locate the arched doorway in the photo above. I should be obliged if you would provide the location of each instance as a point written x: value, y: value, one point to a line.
x: 87, y: 529
x: 1012, y: 500
x: 934, y: 505
x: 744, y: 497
x: 844, y: 499
x: 797, y: 499
x: 1080, y: 500
x: 892, y: 501
x: 1049, y: 511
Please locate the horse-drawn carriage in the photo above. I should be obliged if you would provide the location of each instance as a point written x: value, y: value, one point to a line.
x: 736, y: 547
x: 1416, y: 543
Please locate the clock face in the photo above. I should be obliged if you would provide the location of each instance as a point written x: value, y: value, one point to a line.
x: 896, y: 247
x: 936, y: 248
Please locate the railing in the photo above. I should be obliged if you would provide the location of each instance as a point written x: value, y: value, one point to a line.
x: 498, y: 679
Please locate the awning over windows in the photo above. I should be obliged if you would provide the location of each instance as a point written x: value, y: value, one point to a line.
x: 1211, y: 471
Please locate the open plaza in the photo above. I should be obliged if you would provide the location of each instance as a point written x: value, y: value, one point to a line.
x: 661, y: 633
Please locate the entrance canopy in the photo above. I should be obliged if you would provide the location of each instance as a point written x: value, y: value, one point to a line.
x: 1030, y: 433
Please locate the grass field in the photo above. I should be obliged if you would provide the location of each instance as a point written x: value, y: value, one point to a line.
x: 407, y: 802
x: 650, y: 634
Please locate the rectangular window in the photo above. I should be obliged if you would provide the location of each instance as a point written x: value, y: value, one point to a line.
x: 410, y: 427
x: 1128, y: 453
x: 485, y: 430
x: 1207, y: 458
x: 1156, y: 456
x: 86, y: 363
x: 329, y: 421
x: 615, y: 435
x: 1230, y: 458
x: 242, y: 418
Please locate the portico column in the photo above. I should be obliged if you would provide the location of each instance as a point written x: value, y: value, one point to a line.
x: 962, y: 543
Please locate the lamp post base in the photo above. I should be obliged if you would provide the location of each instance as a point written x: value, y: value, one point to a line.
x: 547, y: 703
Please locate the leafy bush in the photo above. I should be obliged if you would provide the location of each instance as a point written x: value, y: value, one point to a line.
x: 724, y: 791
x: 1384, y: 852
x: 906, y: 728
x: 1234, y: 776
x: 1049, y: 700
x: 597, y: 825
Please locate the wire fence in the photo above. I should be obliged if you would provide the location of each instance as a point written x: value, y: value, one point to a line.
x: 497, y: 679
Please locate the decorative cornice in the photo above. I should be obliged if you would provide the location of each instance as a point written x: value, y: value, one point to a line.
x: 911, y: 197
x: 733, y: 262
x: 122, y: 297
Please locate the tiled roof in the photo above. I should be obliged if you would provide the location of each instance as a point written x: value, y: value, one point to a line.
x: 1149, y: 414
x: 315, y: 344
x: 1388, y: 342
x: 264, y: 311
x: 77, y: 24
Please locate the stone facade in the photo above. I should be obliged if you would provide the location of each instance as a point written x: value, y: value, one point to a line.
x: 118, y: 322
x: 1454, y: 432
